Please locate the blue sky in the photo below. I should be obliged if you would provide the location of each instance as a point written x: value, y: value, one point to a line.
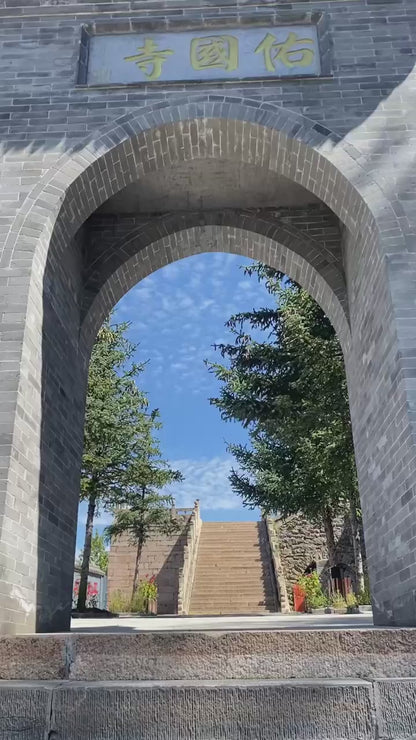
x: 176, y: 315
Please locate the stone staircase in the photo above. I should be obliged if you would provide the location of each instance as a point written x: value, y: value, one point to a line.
x: 233, y: 570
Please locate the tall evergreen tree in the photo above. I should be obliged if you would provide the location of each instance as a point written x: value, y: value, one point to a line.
x: 144, y: 510
x: 114, y: 418
x: 284, y: 380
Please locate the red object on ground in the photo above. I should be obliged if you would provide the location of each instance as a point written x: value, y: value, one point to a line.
x: 299, y: 598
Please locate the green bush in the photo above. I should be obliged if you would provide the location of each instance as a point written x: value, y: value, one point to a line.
x: 314, y: 596
x: 338, y: 601
x: 145, y: 593
x: 119, y: 602
x: 351, y: 599
x: 138, y: 603
x: 148, y: 589
x: 364, y: 597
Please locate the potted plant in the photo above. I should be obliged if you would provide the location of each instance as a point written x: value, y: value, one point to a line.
x: 144, y: 600
x: 316, y: 601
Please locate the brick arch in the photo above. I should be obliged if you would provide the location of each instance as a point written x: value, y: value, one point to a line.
x: 50, y: 377
x: 139, y: 253
x: 163, y: 134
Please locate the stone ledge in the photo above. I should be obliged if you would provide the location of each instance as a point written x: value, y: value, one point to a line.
x: 185, y: 710
x: 318, y: 654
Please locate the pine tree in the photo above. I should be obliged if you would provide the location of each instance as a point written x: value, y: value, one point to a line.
x: 144, y: 511
x: 287, y: 386
x: 115, y: 413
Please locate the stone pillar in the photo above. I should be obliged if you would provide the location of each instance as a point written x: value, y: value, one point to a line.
x: 381, y: 372
x: 42, y: 388
x: 19, y: 468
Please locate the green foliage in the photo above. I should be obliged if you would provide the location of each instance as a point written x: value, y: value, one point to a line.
x: 351, y: 600
x: 115, y: 411
x: 338, y: 601
x: 364, y: 597
x: 312, y: 588
x: 99, y: 554
x: 284, y: 380
x: 146, y: 592
x: 121, y: 456
x: 143, y: 510
x: 138, y: 604
x: 119, y: 603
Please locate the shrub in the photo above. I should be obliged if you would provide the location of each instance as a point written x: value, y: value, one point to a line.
x: 314, y: 596
x: 145, y: 593
x: 148, y: 589
x: 119, y: 602
x: 338, y: 601
x: 364, y: 597
x: 351, y: 599
x: 138, y: 603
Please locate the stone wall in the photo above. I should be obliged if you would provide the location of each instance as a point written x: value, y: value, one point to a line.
x: 163, y: 556
x: 296, y: 543
x: 346, y: 137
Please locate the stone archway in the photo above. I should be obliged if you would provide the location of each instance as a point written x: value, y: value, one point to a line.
x: 47, y: 388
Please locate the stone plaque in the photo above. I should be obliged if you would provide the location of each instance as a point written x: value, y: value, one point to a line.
x: 232, y: 54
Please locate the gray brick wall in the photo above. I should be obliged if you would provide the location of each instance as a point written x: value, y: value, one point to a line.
x: 348, y: 138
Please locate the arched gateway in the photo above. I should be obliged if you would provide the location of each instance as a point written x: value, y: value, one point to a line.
x: 71, y: 253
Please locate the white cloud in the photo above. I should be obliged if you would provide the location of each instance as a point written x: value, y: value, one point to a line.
x: 245, y: 286
x: 103, y: 519
x: 206, y: 479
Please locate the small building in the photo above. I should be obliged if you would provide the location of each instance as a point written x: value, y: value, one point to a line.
x: 96, y: 589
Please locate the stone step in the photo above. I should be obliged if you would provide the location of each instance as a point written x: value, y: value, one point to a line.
x: 207, y: 602
x: 345, y: 709
x: 242, y: 611
x: 277, y: 654
x: 254, y: 575
x: 243, y: 606
x: 220, y: 561
x: 229, y: 595
x: 229, y: 576
x: 218, y: 578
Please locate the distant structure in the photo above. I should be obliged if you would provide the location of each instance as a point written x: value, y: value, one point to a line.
x: 229, y: 567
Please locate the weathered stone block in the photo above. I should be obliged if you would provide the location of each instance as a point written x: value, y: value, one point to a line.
x: 337, y: 710
x: 366, y: 654
x: 24, y: 711
x: 396, y: 707
x: 34, y: 657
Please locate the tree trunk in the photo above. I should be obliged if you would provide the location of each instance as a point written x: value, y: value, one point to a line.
x: 136, y: 567
x: 83, y: 584
x: 357, y: 547
x: 330, y: 538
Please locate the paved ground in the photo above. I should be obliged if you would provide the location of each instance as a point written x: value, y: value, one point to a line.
x: 191, y: 624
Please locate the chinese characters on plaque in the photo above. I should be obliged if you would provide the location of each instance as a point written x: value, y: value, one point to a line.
x: 281, y: 51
